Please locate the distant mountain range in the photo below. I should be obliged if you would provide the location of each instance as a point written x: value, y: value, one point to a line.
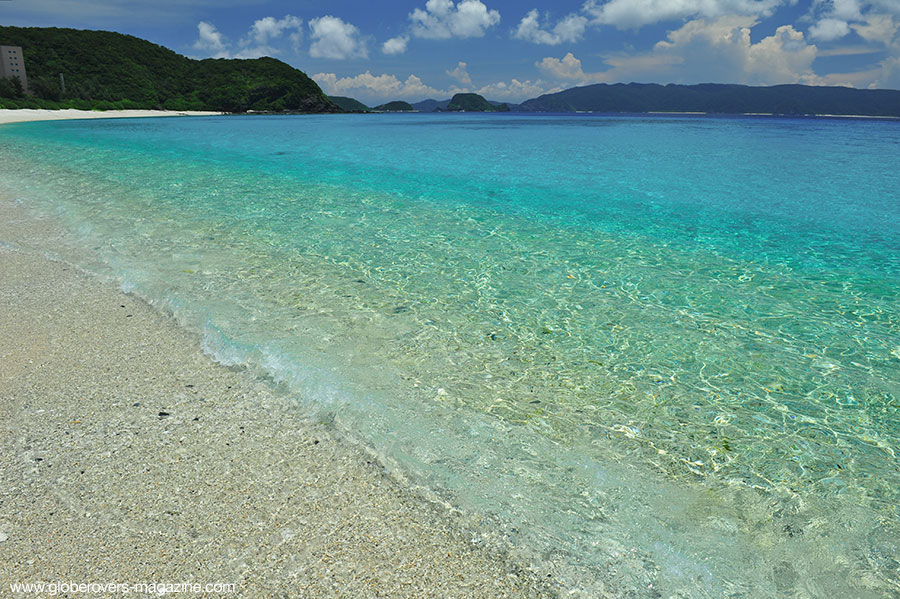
x: 430, y: 105
x: 710, y: 98
x: 719, y: 98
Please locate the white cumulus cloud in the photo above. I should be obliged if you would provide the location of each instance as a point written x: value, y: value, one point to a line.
x: 877, y: 28
x: 626, y: 14
x: 888, y: 75
x: 567, y: 67
x: 267, y: 31
x: 516, y: 90
x: 269, y: 28
x: 263, y: 38
x: 460, y: 73
x: 834, y: 16
x: 569, y: 29
x: 395, y: 45
x: 442, y: 19
x: 829, y: 29
x: 375, y: 89
x: 334, y: 38
x: 721, y: 50
x: 704, y: 51
x: 369, y: 86
x: 845, y: 10
x: 210, y: 41
x: 873, y: 20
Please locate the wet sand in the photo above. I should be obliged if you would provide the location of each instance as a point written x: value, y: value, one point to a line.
x: 29, y: 114
x: 129, y: 456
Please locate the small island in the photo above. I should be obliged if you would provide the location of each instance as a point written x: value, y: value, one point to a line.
x: 396, y: 106
x: 472, y: 103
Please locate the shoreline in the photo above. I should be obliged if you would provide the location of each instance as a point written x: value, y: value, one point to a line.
x: 127, y: 455
x: 607, y: 519
x: 25, y: 115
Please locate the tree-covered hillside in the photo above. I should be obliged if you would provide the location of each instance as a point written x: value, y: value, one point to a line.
x: 102, y: 69
x: 430, y: 105
x: 395, y: 106
x: 473, y: 103
x: 349, y: 104
x: 719, y: 98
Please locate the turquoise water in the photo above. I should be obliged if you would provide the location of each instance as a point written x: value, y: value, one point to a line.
x: 660, y: 356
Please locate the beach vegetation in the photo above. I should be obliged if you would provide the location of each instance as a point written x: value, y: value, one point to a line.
x: 11, y: 87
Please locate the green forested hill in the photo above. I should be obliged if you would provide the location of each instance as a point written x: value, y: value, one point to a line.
x: 719, y: 98
x: 473, y: 103
x: 103, y: 69
x: 395, y: 106
x: 349, y: 104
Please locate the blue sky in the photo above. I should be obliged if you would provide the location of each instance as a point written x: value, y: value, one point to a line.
x: 513, y: 50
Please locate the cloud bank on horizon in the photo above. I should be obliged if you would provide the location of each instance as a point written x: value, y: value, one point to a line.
x: 508, y: 50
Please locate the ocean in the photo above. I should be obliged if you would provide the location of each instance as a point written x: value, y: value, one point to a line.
x: 659, y: 355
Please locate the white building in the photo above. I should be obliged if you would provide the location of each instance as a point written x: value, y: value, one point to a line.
x: 12, y: 64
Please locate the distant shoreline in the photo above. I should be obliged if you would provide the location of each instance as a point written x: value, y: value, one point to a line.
x: 23, y: 115
x: 830, y: 116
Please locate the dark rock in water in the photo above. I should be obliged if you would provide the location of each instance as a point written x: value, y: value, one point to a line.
x: 792, y: 530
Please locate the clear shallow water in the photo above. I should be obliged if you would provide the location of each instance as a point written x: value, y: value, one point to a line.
x: 662, y: 354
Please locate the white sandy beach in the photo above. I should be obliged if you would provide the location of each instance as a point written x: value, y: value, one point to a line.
x: 129, y: 456
x: 28, y: 114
